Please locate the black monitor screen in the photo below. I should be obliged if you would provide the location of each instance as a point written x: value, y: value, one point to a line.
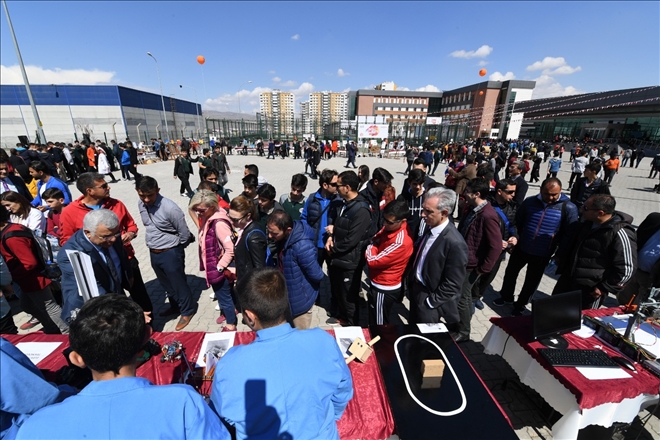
x: 557, y: 314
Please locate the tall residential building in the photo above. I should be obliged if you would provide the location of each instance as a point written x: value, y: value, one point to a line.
x: 324, y: 108
x: 277, y: 108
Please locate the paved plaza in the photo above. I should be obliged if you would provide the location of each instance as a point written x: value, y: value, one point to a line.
x: 530, y: 415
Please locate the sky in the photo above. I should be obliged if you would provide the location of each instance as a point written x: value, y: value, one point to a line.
x: 566, y: 47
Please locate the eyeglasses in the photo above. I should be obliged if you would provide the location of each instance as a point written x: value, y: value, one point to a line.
x: 513, y: 191
x: 340, y: 185
x: 236, y: 220
x: 109, y: 237
x: 334, y: 184
x: 392, y: 222
x: 104, y: 186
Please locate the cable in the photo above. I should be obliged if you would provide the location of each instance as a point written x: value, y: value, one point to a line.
x: 504, y: 348
x: 405, y: 378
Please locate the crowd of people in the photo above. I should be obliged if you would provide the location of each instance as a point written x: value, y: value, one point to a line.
x: 439, y: 244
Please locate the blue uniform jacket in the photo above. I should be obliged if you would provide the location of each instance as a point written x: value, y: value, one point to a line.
x: 24, y: 390
x: 53, y: 182
x: 300, y: 268
x: 288, y: 383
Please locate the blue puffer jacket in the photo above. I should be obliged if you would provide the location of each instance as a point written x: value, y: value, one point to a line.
x: 298, y: 263
x: 541, y: 227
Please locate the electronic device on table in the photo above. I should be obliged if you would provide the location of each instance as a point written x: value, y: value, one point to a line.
x: 554, y: 316
x: 577, y: 358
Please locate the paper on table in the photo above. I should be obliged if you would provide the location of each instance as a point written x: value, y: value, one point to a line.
x: 432, y: 328
x: 595, y: 373
x: 84, y: 273
x: 646, y: 336
x: 345, y: 337
x: 216, y: 343
x: 584, y: 332
x: 37, y: 351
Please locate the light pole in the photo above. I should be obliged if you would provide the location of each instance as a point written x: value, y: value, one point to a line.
x: 40, y: 127
x: 162, y: 100
x: 239, y: 94
x: 196, y: 107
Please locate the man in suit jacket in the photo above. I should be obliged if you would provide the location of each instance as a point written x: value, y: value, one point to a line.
x: 439, y: 263
x: 99, y: 239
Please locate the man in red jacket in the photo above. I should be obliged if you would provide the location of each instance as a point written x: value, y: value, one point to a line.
x: 387, y: 257
x: 480, y: 227
x: 96, y: 194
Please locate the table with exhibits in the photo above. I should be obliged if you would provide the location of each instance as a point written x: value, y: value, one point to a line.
x: 367, y: 415
x: 582, y: 402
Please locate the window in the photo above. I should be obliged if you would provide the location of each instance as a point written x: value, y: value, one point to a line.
x: 387, y: 109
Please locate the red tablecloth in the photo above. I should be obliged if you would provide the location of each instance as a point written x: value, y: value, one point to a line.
x: 367, y: 416
x: 589, y: 393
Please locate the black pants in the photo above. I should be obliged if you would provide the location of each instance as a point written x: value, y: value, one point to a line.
x: 185, y: 186
x: 565, y: 284
x: 138, y: 290
x: 609, y: 176
x: 133, y: 171
x: 574, y: 176
x: 420, y: 312
x: 351, y: 160
x: 7, y: 325
x: 410, y: 164
x: 535, y: 268
x: 486, y: 279
x: 380, y: 304
x: 345, y: 288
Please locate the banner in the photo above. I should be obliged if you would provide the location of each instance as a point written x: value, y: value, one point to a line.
x: 373, y: 131
x: 434, y: 120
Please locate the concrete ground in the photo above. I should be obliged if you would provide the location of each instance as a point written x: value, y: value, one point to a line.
x: 530, y: 415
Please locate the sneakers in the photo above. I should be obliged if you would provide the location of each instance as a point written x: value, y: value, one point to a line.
x: 227, y: 329
x: 499, y: 302
x: 479, y: 304
x: 217, y: 307
x: 33, y: 322
x: 212, y: 295
x: 220, y: 319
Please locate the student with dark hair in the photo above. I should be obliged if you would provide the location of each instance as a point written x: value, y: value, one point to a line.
x: 55, y: 201
x: 10, y: 182
x: 588, y: 185
x: 41, y: 173
x: 348, y: 236
x: 250, y: 185
x: 267, y: 203
x: 250, y: 248
x: 22, y: 212
x: 294, y: 202
x: 107, y: 337
x: 363, y: 172
x: 183, y: 170
x: 414, y: 198
x: 387, y: 257
x: 381, y: 180
x: 296, y: 258
x: 255, y: 386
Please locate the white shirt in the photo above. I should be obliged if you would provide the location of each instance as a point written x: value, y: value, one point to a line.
x: 35, y: 221
x: 579, y: 163
x: 435, y: 233
x: 10, y: 186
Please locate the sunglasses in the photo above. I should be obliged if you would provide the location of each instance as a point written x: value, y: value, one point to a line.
x: 334, y: 185
x: 104, y: 186
x: 392, y: 222
x: 513, y: 191
x: 200, y: 211
x: 236, y: 220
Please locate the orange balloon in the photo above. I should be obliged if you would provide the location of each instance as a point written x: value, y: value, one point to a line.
x: 481, y: 92
x: 202, y: 60
x: 483, y: 72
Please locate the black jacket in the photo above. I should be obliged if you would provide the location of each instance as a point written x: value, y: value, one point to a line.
x: 351, y: 233
x: 604, y: 257
x: 250, y: 250
x: 581, y: 192
x: 521, y: 190
x: 180, y: 167
x: 373, y: 198
x: 21, y: 188
x: 444, y: 271
x: 647, y: 228
x: 509, y: 211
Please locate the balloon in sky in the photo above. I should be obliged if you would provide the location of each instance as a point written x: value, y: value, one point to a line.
x: 482, y: 72
x: 202, y: 60
x: 481, y: 92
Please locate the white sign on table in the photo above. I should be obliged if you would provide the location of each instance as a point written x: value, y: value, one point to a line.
x: 37, y: 351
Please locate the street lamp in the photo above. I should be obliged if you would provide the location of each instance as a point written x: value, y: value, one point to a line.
x: 239, y: 94
x: 162, y: 100
x: 196, y: 107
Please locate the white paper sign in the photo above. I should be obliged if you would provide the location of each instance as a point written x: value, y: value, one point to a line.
x: 215, y: 344
x: 432, y: 328
x: 345, y: 337
x: 596, y: 373
x: 37, y: 351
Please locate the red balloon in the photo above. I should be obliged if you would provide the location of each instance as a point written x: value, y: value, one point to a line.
x: 481, y: 92
x: 483, y: 72
x: 202, y: 60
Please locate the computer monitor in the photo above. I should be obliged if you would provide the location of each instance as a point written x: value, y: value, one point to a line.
x: 555, y: 315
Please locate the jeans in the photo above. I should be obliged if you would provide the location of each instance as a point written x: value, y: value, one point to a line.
x: 465, y: 303
x: 624, y: 161
x: 169, y: 267
x: 42, y: 305
x: 223, y: 294
x: 124, y: 172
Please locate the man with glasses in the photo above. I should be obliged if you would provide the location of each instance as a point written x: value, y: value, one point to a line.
x: 96, y: 195
x: 387, y: 258
x: 439, y: 263
x: 167, y: 235
x: 99, y: 239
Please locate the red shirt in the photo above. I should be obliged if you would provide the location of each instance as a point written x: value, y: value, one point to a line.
x: 53, y: 223
x: 21, y: 261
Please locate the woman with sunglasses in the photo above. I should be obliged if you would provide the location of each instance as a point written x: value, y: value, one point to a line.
x: 216, y: 252
x: 22, y: 212
x: 250, y: 250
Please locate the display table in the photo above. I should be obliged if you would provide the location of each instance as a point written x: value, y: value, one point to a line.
x: 367, y: 416
x: 461, y: 408
x: 581, y: 402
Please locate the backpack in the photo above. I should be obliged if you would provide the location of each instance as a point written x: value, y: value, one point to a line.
x: 42, y: 249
